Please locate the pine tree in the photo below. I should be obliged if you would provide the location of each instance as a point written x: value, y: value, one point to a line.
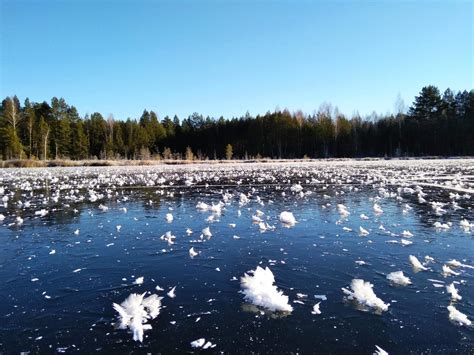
x: 79, y: 149
x: 63, y: 137
x: 119, y: 146
x: 97, y: 135
x: 109, y: 147
x: 427, y: 104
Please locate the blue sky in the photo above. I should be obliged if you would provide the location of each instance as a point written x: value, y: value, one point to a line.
x: 229, y: 57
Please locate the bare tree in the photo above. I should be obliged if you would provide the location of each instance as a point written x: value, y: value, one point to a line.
x: 45, y: 138
x: 110, y: 124
x: 12, y: 118
x: 11, y: 113
x: 167, y: 153
x: 229, y: 152
x: 299, y: 117
x: 30, y: 125
x: 399, y: 105
x: 400, y: 110
x: 189, y: 154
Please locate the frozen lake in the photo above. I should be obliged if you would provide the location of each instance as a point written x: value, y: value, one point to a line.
x: 77, y: 240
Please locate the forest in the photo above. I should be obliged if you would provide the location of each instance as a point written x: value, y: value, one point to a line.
x: 434, y: 125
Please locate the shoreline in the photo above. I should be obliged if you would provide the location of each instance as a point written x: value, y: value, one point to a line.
x: 26, y: 163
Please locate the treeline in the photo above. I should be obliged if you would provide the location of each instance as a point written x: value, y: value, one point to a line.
x: 435, y: 124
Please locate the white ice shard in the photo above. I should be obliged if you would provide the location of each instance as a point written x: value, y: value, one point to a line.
x: 447, y: 271
x: 41, y: 213
x: 379, y: 351
x: 217, y: 208
x: 258, y: 287
x: 316, y: 309
x: 135, y: 312
x: 287, y: 218
x: 421, y: 199
x: 296, y: 188
x: 193, y: 253
x: 203, y: 206
x: 428, y: 260
x: 440, y: 225
x: 456, y: 263
x: 172, y: 292
x: 377, y: 209
x: 343, y: 210
x: 168, y: 237
x: 458, y: 317
x: 103, y: 208
x: 198, y: 343
x: 398, y: 278
x: 363, y: 293
x: 243, y: 199
x: 416, y: 263
x: 207, y: 232
x: 464, y: 223
x: 139, y: 280
x: 202, y: 344
x: 455, y: 296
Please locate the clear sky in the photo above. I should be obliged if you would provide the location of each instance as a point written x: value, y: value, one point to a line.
x: 229, y: 57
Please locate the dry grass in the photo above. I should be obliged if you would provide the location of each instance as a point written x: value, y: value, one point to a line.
x: 25, y: 163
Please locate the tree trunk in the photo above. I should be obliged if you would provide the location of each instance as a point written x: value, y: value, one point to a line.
x: 45, y: 145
